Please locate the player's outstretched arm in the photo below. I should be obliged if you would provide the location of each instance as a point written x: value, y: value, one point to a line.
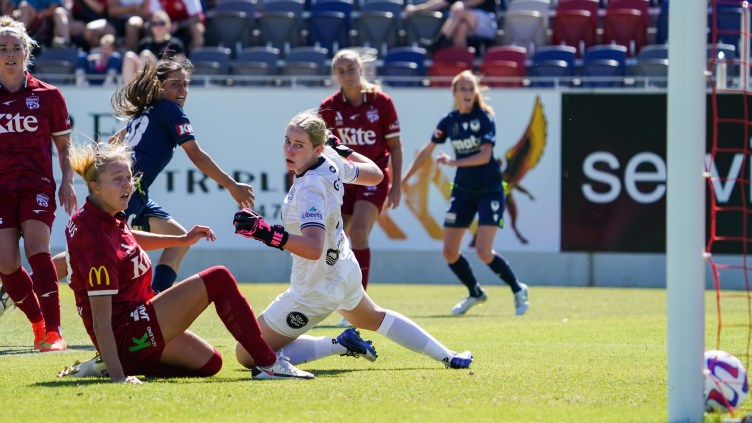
x: 151, y: 241
x: 241, y: 193
x: 101, y: 313
x: 395, y: 156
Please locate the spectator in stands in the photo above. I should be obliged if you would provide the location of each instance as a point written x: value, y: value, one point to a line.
x: 187, y: 21
x: 467, y: 18
x: 477, y: 189
x: 152, y: 48
x: 364, y: 119
x: 128, y: 17
x: 88, y: 22
x: 105, y: 62
x: 45, y: 20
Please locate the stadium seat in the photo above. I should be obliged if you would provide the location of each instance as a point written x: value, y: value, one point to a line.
x: 608, y: 51
x: 727, y: 21
x: 574, y: 28
x: 307, y: 62
x: 249, y: 7
x: 423, y: 27
x: 281, y: 23
x: 377, y: 29
x: 401, y: 74
x: 553, y: 66
x: 653, y: 51
x: 625, y: 27
x: 255, y: 61
x: 502, y: 73
x: 516, y: 54
x: 601, y: 73
x: 524, y: 28
x: 231, y: 29
x: 209, y: 61
x: 328, y: 29
x: 655, y: 71
x: 543, y: 7
x: 56, y: 65
x: 402, y: 62
x: 447, y: 63
x: 661, y: 30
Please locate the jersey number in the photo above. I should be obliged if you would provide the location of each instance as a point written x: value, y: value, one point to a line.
x: 136, y: 131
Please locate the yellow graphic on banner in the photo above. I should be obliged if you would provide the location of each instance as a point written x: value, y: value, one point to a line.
x: 96, y: 273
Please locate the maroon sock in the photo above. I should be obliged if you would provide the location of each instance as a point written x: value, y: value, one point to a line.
x: 236, y: 313
x: 45, y: 285
x: 211, y: 368
x: 364, y: 260
x: 20, y: 289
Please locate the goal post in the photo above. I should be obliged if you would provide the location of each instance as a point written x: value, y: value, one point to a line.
x: 685, y: 209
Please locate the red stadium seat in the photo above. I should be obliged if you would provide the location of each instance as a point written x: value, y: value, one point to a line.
x: 625, y: 27
x: 574, y: 28
x: 503, y: 61
x: 449, y: 62
x: 496, y: 72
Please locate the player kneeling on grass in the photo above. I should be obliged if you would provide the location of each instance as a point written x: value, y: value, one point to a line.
x: 325, y: 274
x: 136, y: 332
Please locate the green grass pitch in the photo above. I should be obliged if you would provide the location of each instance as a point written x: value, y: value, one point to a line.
x: 579, y: 355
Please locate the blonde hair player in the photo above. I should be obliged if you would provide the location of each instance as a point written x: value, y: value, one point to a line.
x: 364, y: 118
x: 135, y: 332
x: 325, y: 275
x: 34, y: 113
x: 477, y: 188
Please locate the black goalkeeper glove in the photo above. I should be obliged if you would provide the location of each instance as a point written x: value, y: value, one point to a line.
x: 340, y: 148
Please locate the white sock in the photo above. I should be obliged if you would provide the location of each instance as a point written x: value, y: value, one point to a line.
x: 308, y: 348
x: 407, y: 333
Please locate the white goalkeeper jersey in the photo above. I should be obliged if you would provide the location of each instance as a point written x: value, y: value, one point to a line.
x: 315, y: 199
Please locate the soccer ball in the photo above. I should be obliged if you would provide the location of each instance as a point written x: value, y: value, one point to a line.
x: 726, y: 385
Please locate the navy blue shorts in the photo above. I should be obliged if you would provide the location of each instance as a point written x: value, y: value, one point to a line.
x: 140, y: 209
x: 464, y: 205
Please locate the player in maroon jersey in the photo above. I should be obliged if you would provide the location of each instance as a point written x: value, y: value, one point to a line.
x: 364, y: 119
x: 134, y: 331
x: 33, y: 115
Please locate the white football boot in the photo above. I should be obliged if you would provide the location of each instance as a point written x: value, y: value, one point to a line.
x: 467, y: 303
x: 520, y: 300
x: 282, y: 369
x: 94, y: 367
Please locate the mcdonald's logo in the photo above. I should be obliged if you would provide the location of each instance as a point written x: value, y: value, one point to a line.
x: 96, y: 273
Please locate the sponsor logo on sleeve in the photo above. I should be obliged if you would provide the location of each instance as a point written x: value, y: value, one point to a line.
x: 184, y: 129
x: 311, y: 213
x: 98, y: 275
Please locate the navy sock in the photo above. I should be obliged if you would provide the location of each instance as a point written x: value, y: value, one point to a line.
x: 164, y: 277
x: 501, y: 267
x: 462, y: 269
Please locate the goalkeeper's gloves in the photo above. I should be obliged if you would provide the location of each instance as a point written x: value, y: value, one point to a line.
x: 337, y: 146
x: 251, y: 225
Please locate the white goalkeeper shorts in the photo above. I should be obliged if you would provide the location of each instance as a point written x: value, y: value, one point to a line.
x: 294, y: 313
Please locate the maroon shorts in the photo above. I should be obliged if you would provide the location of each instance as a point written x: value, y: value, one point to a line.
x: 30, y: 205
x: 139, y: 339
x: 373, y: 194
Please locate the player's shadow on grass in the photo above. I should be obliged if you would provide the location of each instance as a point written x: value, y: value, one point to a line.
x: 16, y: 350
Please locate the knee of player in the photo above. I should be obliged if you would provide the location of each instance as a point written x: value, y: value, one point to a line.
x: 486, y: 256
x: 451, y: 255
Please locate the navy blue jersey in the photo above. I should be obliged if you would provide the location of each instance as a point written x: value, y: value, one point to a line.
x: 153, y: 136
x: 466, y: 133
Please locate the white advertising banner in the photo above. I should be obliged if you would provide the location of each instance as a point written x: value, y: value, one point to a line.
x: 243, y: 129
